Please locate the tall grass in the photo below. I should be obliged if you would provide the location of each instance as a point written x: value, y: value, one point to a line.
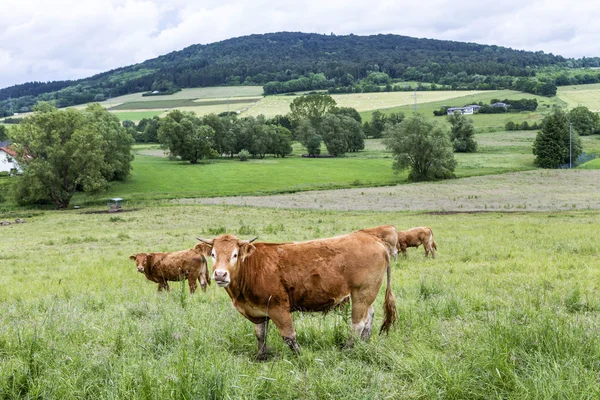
x: 508, y: 309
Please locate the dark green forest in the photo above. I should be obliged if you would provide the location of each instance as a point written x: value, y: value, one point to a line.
x: 294, y: 61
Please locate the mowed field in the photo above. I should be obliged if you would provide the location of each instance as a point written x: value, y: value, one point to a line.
x: 581, y: 95
x: 508, y: 309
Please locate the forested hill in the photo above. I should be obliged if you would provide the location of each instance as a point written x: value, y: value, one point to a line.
x: 285, y: 56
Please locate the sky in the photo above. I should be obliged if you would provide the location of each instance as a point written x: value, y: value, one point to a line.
x: 44, y: 40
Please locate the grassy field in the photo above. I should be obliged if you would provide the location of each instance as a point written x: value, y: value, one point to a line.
x: 215, y: 92
x: 273, y: 105
x: 137, y: 116
x: 508, y: 309
x: 594, y: 164
x: 581, y: 95
x: 483, y: 122
x: 156, y: 177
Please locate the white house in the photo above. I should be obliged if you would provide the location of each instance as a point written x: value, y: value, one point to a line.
x: 7, y: 159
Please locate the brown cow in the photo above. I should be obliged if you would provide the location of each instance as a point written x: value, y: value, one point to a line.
x: 389, y: 236
x: 422, y: 235
x: 175, y: 266
x: 270, y: 280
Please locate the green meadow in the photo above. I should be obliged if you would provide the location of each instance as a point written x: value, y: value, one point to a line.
x: 155, y: 177
x: 482, y: 122
x: 508, y: 309
x: 136, y: 116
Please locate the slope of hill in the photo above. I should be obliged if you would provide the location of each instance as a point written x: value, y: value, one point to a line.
x: 284, y: 56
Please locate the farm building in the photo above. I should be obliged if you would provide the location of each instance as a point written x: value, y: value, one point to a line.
x: 467, y: 110
x: 7, y: 159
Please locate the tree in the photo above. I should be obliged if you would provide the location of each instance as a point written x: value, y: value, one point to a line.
x: 62, y: 151
x: 3, y: 133
x: 185, y: 136
x: 462, y: 133
x: 334, y: 135
x: 311, y: 106
x: 281, y: 141
x: 422, y: 146
x: 551, y: 145
x: 585, y: 122
x: 149, y: 128
x: 348, y: 112
x: 378, y: 120
x: 307, y: 135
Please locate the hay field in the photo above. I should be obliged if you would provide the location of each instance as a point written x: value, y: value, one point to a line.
x: 581, y: 95
x: 539, y: 190
x: 194, y: 93
x: 273, y: 105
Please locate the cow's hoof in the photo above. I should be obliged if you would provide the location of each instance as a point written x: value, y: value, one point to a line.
x: 263, y: 355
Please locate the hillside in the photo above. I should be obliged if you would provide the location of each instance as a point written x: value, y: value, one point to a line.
x: 281, y: 57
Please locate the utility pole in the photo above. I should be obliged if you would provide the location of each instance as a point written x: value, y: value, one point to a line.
x: 415, y: 100
x: 570, y: 145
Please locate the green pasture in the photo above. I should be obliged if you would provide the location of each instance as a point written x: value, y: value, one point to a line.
x: 508, y: 309
x: 581, y: 95
x: 136, y: 116
x: 194, y: 93
x: 483, y: 122
x: 154, y: 176
x: 594, y: 164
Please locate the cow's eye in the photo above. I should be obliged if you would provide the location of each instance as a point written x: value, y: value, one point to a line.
x: 213, y: 255
x: 234, y: 256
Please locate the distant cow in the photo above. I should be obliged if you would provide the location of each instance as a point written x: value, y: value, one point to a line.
x: 175, y: 266
x: 422, y: 235
x: 388, y: 234
x: 267, y: 281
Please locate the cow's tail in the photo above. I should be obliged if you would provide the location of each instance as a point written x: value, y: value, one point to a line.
x: 389, y: 306
x: 432, y: 244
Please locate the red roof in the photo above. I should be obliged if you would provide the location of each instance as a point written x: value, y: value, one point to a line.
x: 10, y: 152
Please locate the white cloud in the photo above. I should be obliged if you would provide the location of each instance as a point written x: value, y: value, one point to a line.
x: 69, y: 39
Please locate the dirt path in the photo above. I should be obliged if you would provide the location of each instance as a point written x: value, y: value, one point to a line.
x: 540, y: 190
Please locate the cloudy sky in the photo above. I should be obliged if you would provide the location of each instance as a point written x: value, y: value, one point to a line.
x: 69, y: 39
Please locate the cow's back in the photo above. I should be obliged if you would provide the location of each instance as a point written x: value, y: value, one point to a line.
x: 317, y: 274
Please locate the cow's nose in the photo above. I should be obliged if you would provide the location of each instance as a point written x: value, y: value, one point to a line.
x: 220, y: 275
x: 140, y: 269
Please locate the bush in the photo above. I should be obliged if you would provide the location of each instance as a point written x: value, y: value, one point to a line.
x: 243, y: 155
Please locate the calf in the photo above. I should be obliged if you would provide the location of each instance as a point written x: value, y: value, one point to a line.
x: 422, y: 235
x: 175, y: 266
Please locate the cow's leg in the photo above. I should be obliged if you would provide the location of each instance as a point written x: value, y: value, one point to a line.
x: 403, y: 249
x: 261, y: 336
x: 204, y: 278
x: 362, y: 313
x: 366, y: 332
x: 192, y: 281
x: 283, y: 321
x: 163, y: 285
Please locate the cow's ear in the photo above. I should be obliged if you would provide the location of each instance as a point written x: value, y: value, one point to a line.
x: 132, y: 257
x: 204, y: 247
x: 246, y: 249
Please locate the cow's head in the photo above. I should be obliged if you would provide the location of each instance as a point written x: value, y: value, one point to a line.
x: 226, y: 252
x: 143, y: 261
